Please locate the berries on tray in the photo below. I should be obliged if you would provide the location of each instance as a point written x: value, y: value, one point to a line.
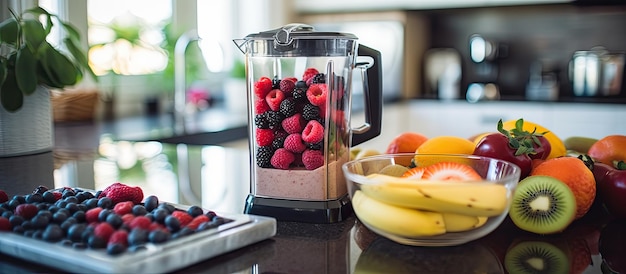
x: 110, y: 220
x: 289, y: 118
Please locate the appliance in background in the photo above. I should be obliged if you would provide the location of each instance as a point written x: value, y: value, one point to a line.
x: 597, y: 72
x: 485, y: 54
x: 543, y: 82
x: 387, y: 36
x: 442, y: 71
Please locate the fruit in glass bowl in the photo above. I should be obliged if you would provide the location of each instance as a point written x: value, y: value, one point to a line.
x: 437, y: 200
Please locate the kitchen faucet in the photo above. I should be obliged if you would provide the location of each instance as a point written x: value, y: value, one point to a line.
x: 180, y: 94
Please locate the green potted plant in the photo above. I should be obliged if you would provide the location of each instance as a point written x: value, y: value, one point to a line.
x: 29, y: 67
x: 27, y: 60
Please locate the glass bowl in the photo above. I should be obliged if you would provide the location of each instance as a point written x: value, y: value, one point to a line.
x: 427, y: 212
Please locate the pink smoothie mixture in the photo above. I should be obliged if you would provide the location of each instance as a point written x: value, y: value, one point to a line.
x: 302, y: 184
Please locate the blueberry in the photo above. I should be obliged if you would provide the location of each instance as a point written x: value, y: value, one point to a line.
x: 42, y: 206
x: 40, y: 189
x: 75, y: 232
x: 96, y: 242
x: 158, y: 236
x: 137, y: 237
x: 68, y: 193
x: 185, y: 231
x: 68, y: 223
x: 81, y: 196
x: 115, y: 248
x: 27, y: 224
x: 7, y: 214
x: 48, y: 197
x: 18, y: 229
x: 14, y: 203
x: 40, y: 221
x: 59, y: 217
x: 102, y: 216
x: 139, y: 210
x: 21, y: 199
x: 91, y: 203
x: 159, y: 215
x: 65, y: 211
x: 172, y: 223
x: 16, y: 220
x: 151, y: 202
x: 79, y: 215
x: 53, y: 233
x: 207, y: 225
x: 114, y: 220
x: 168, y: 207
x: 71, y: 199
x: 46, y: 213
x: 195, y: 211
x: 61, y: 203
x: 34, y: 198
x: 87, y: 233
x: 37, y: 234
x: 72, y: 207
x: 105, y: 202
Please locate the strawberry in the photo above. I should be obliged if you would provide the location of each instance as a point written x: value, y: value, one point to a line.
x: 142, y: 222
x: 183, y: 217
x: 120, y: 236
x: 103, y: 231
x: 274, y: 98
x: 27, y: 211
x: 92, y: 214
x: 3, y: 196
x: 450, y: 171
x: 118, y: 192
x: 122, y: 208
x: 414, y: 173
x: 5, y: 225
x: 197, y: 221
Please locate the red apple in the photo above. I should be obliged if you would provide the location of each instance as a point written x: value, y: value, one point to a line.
x: 611, y: 187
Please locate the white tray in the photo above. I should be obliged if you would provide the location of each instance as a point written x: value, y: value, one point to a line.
x: 156, y: 258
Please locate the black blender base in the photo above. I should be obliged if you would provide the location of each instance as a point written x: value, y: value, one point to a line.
x: 328, y: 211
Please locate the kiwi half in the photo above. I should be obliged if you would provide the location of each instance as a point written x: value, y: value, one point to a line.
x: 542, y: 205
x: 536, y: 257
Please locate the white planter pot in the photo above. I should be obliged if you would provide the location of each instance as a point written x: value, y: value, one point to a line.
x: 28, y: 130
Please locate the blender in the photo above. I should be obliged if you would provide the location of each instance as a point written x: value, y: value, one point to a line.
x: 299, y: 94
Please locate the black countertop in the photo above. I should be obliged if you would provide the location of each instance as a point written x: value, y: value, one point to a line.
x: 217, y: 178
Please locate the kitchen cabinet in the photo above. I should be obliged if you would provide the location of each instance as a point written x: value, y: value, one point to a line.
x: 320, y: 6
x: 460, y: 118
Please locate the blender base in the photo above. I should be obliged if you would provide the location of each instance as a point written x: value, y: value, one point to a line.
x: 327, y: 211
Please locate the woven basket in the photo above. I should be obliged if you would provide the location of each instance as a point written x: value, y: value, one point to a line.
x: 73, y: 105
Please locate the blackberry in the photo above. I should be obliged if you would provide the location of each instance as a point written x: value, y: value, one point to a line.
x: 260, y: 120
x: 288, y: 107
x: 276, y: 82
x: 263, y: 156
x: 279, y: 139
x: 316, y: 146
x: 299, y: 95
x: 274, y: 118
x: 310, y: 112
x: 319, y: 78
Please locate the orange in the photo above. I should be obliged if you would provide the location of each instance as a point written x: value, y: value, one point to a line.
x: 575, y: 174
x: 557, y: 147
x: 476, y: 138
x: 446, y: 145
x: 406, y: 142
x: 608, y: 149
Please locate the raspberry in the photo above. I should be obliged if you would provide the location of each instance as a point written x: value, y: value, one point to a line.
x: 5, y: 224
x: 183, y: 217
x: 126, y: 218
x: 317, y: 94
x: 141, y: 222
x: 293, y: 79
x: 310, y: 112
x: 119, y: 192
x: 3, y: 196
x: 274, y: 98
x: 288, y: 107
x: 57, y: 195
x: 293, y: 124
x: 287, y: 85
x: 260, y: 106
x: 103, y: 231
x: 263, y: 156
x: 262, y: 87
x: 282, y: 158
x: 123, y: 208
x: 294, y: 143
x: 312, y: 159
x: 197, y: 221
x: 264, y: 137
x: 91, y: 216
x: 27, y: 211
x: 279, y: 139
x: 119, y: 237
x: 309, y: 74
x: 313, y: 132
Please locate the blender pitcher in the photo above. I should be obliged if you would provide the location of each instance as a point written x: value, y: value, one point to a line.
x: 299, y: 85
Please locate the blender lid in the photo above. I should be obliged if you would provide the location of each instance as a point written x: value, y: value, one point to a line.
x: 283, y: 38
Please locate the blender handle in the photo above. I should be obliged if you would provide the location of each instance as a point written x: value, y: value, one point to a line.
x: 372, y: 93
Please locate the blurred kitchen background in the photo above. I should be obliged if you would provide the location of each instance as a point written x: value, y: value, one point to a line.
x: 473, y: 61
